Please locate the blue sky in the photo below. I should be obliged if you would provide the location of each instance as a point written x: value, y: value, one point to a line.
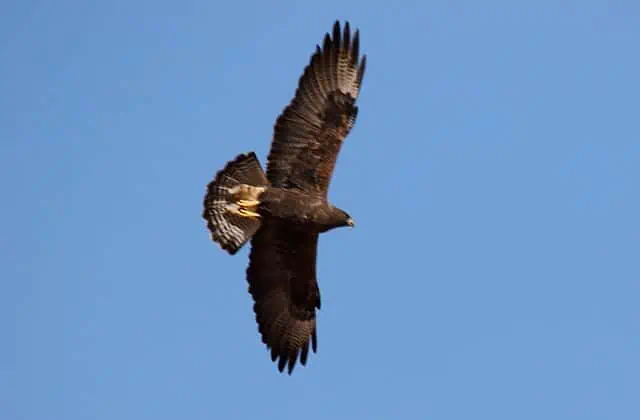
x: 493, y: 173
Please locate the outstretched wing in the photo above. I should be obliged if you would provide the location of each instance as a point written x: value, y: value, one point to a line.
x: 282, y: 281
x: 309, y: 133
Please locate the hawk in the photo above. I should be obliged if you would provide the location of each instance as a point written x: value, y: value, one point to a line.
x: 284, y: 211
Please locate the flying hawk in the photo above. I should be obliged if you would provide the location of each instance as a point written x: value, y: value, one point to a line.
x: 284, y: 211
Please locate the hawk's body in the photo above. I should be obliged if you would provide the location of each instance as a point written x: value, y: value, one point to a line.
x: 284, y: 211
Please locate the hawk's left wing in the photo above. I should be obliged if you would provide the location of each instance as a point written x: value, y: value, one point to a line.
x: 282, y: 282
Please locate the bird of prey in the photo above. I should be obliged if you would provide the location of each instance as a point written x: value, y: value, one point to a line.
x: 284, y: 211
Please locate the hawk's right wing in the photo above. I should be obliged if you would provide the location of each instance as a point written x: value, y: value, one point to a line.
x: 309, y: 133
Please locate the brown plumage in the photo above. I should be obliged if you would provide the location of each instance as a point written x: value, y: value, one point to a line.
x: 285, y: 211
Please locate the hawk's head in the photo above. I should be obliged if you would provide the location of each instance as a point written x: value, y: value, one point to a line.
x: 343, y: 218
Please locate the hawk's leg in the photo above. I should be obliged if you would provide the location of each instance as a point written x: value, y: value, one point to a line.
x: 246, y: 201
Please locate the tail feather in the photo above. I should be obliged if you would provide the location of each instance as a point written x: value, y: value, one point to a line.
x: 230, y: 223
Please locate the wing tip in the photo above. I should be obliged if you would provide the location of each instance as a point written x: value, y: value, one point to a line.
x: 341, y: 37
x: 287, y: 353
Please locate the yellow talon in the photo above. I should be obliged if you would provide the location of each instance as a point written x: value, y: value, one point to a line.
x: 248, y: 213
x: 248, y: 203
x: 244, y: 208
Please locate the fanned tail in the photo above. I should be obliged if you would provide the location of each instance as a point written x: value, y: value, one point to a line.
x: 232, y: 200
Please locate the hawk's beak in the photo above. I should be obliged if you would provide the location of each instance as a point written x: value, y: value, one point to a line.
x: 350, y: 222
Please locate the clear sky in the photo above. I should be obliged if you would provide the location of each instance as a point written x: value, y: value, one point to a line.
x: 493, y: 172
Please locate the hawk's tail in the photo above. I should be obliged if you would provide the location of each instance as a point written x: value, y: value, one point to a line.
x: 231, y: 202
